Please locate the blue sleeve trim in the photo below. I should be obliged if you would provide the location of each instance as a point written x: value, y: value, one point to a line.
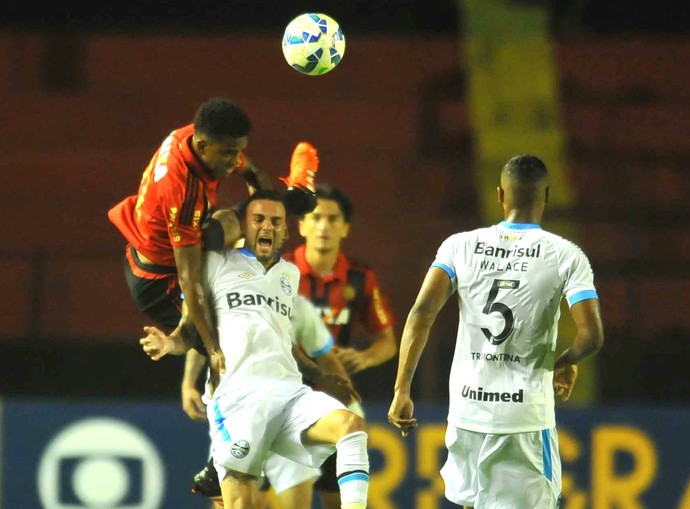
x: 583, y: 295
x: 445, y: 268
x: 324, y: 350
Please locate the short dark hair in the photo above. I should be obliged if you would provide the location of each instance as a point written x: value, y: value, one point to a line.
x: 261, y: 194
x: 525, y: 168
x: 329, y: 192
x: 220, y: 118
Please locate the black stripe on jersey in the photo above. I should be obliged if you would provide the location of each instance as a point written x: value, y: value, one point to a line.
x: 191, y: 193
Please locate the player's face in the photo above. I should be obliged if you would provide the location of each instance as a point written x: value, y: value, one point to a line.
x: 222, y: 157
x: 324, y: 228
x: 265, y: 229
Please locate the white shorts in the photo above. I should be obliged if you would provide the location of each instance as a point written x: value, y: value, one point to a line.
x: 503, y: 471
x: 253, y: 421
x: 284, y: 474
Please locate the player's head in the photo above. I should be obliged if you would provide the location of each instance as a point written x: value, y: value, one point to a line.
x: 524, y: 185
x: 328, y: 224
x: 264, y: 225
x: 221, y: 131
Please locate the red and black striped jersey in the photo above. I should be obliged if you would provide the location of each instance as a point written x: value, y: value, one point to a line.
x: 175, y: 194
x: 347, y: 296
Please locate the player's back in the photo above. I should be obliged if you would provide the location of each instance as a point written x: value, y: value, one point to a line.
x: 510, y: 280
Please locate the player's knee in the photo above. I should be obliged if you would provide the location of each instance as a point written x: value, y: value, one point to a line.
x: 351, y: 423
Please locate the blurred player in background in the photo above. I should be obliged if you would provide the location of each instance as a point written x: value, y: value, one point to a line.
x: 347, y: 294
x: 260, y: 404
x: 510, y: 279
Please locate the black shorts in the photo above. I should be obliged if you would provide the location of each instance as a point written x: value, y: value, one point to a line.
x: 159, y: 299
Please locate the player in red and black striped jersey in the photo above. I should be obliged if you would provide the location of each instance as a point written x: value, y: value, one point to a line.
x: 162, y: 223
x: 347, y: 294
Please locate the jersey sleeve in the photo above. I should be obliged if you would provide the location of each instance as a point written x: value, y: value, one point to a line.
x: 309, y: 330
x: 445, y: 259
x: 579, y: 278
x: 182, y: 202
x: 377, y: 311
x: 209, y: 269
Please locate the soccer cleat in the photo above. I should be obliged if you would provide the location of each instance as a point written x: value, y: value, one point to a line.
x: 206, y: 483
x: 303, y: 167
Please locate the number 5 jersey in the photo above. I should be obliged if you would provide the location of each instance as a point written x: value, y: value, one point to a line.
x: 510, y: 279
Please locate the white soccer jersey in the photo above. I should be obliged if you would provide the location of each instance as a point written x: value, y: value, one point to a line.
x: 510, y: 279
x: 253, y: 309
x: 309, y: 330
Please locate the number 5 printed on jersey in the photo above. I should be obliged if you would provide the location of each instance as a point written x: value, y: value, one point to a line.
x: 492, y: 306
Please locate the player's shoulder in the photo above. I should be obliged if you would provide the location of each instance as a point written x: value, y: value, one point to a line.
x: 358, y: 265
x: 561, y: 243
x: 288, y: 264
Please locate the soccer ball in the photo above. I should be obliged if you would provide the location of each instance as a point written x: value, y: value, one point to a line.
x: 313, y: 43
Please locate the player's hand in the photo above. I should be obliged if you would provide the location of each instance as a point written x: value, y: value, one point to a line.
x: 216, y: 362
x: 352, y: 360
x: 400, y: 413
x: 339, y: 387
x: 564, y: 377
x: 192, y: 404
x: 156, y: 344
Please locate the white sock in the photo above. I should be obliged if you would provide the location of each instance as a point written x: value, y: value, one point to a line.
x: 352, y: 469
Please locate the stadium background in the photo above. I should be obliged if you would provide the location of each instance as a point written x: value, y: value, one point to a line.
x: 414, y: 125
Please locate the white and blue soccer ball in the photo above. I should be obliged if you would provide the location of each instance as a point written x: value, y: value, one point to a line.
x: 313, y: 44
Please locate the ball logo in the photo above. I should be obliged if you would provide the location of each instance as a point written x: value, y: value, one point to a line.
x: 240, y: 449
x: 285, y: 285
x: 101, y: 462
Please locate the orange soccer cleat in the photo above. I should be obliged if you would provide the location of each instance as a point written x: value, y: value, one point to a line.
x: 303, y: 167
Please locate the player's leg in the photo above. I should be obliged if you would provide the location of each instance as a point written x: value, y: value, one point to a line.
x: 262, y: 493
x: 239, y: 490
x: 314, y: 425
x: 327, y: 485
x: 297, y: 497
x: 244, y: 424
x: 155, y: 290
x: 346, y: 430
x: 292, y: 482
x: 520, y: 470
x: 460, y: 470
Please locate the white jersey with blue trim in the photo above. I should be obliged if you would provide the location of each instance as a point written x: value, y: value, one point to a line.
x: 253, y: 308
x: 510, y: 279
x: 309, y: 330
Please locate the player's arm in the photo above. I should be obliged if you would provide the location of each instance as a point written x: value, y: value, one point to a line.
x: 330, y: 363
x: 378, y: 320
x: 383, y: 347
x: 433, y: 295
x: 331, y: 382
x: 588, y: 340
x: 254, y: 177
x: 188, y: 260
x: 192, y: 404
x: 157, y: 344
